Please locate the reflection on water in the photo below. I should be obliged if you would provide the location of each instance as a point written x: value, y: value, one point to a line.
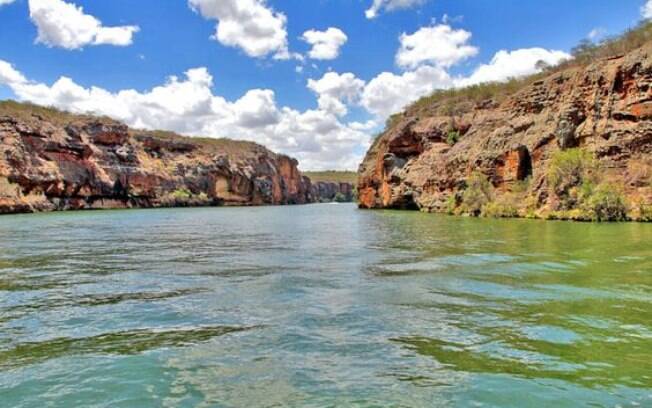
x: 322, y: 306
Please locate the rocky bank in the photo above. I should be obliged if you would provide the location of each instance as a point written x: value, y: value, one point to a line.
x: 427, y: 155
x: 51, y: 160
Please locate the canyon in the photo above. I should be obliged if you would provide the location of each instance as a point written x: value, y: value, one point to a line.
x: 428, y: 153
x: 52, y: 160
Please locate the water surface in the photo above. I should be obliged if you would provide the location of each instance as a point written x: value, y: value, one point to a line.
x: 322, y: 306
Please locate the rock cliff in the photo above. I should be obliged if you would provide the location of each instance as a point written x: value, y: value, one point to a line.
x: 51, y: 160
x: 329, y: 191
x: 426, y: 157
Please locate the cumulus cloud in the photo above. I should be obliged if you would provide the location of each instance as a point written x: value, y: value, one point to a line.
x: 335, y: 91
x: 317, y: 137
x: 65, y: 25
x: 390, y: 5
x: 512, y: 64
x: 646, y: 10
x: 325, y: 44
x: 3, y: 2
x: 389, y: 93
x: 250, y: 25
x: 440, y: 45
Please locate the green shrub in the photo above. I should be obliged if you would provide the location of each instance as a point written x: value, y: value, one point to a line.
x: 522, y: 186
x: 181, y: 194
x: 340, y: 198
x: 505, y: 206
x: 451, y: 204
x: 571, y: 172
x: 478, y: 193
x: 453, y: 137
x: 606, y: 203
x: 644, y: 213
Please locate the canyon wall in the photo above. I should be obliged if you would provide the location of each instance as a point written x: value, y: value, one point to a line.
x: 52, y: 160
x: 427, y: 155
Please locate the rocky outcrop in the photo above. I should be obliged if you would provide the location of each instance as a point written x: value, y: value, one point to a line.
x: 325, y: 191
x: 604, y: 108
x: 60, y: 161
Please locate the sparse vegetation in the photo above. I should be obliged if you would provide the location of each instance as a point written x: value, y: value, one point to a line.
x: 451, y: 204
x: 478, y: 193
x: 586, y: 52
x: 571, y: 176
x: 181, y: 194
x: 332, y: 176
x: 27, y: 110
x: 453, y: 137
x: 504, y: 206
x: 575, y: 177
x: 606, y: 203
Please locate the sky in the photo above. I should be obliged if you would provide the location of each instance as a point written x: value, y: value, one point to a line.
x: 314, y: 79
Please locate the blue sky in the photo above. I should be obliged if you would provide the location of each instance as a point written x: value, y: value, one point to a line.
x: 327, y: 125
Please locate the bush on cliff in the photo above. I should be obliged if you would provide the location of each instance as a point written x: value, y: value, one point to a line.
x: 571, y: 174
x: 453, y: 137
x: 478, y: 193
x: 606, y: 203
x: 504, y: 206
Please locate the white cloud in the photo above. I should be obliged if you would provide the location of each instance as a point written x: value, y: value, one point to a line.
x: 390, y: 5
x: 596, y: 34
x: 325, y: 44
x: 389, y: 93
x: 250, y: 25
x: 336, y: 90
x: 187, y: 105
x: 510, y: 64
x: 646, y: 10
x: 3, y: 2
x: 9, y: 75
x: 440, y: 45
x: 65, y: 25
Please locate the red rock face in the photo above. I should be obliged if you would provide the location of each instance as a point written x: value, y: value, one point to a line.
x: 605, y: 108
x: 91, y: 163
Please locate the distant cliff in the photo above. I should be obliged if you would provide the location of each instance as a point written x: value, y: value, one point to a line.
x: 329, y: 191
x: 575, y: 143
x: 329, y: 186
x: 51, y: 160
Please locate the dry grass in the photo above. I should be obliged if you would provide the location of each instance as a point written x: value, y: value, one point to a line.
x: 222, y: 145
x: 8, y: 190
x: 27, y: 111
x: 332, y: 176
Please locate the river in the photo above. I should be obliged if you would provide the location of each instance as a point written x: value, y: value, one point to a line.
x: 322, y: 306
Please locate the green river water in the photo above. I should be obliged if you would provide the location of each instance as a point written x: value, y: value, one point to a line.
x: 322, y: 306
